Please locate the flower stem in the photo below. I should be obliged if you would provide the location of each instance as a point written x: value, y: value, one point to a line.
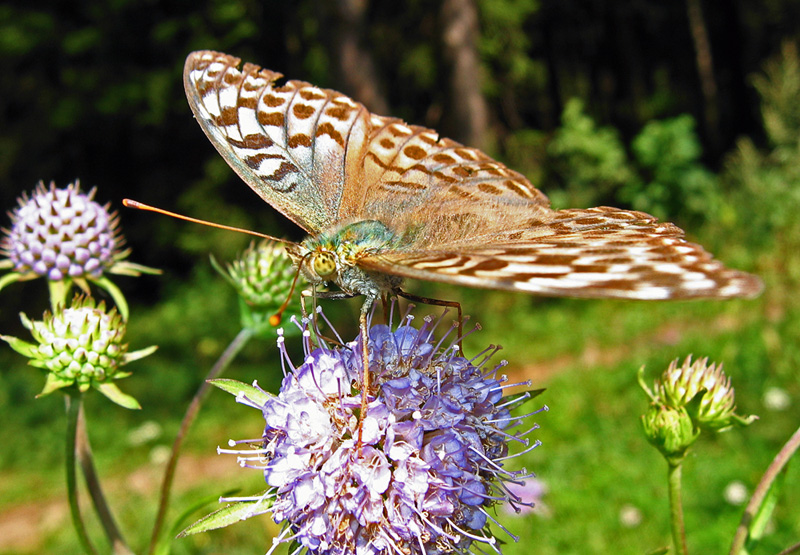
x: 58, y: 293
x: 760, y: 493
x: 676, y: 508
x: 74, y: 401
x: 191, y: 412
x: 86, y: 460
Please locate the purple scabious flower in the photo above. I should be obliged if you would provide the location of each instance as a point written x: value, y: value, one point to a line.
x: 62, y: 233
x: 430, y: 461
x: 67, y: 238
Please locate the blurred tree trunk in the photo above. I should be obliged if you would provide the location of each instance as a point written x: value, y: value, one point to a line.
x: 705, y: 69
x: 355, y: 67
x: 467, y: 112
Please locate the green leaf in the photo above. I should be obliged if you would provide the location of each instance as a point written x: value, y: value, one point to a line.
x: 54, y: 383
x: 9, y: 278
x: 226, y: 516
x: 141, y: 353
x: 22, y: 347
x: 165, y: 540
x: 764, y: 512
x: 116, y: 395
x: 115, y: 293
x: 235, y: 387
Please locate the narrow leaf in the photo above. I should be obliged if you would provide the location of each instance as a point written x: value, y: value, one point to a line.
x: 116, y: 395
x: 234, y: 387
x: 226, y: 516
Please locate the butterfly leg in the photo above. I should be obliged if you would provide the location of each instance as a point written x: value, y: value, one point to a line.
x: 364, y: 332
x: 439, y: 302
x: 369, y: 301
x: 365, y: 377
x: 314, y: 294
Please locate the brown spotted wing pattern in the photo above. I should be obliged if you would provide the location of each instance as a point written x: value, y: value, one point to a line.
x: 325, y: 161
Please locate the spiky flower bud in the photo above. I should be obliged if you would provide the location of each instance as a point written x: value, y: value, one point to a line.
x: 263, y: 275
x: 670, y: 430
x: 679, y: 385
x: 61, y: 233
x: 417, y: 474
x: 80, y: 346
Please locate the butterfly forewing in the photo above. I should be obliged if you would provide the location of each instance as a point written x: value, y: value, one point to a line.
x: 457, y: 215
x: 285, y: 141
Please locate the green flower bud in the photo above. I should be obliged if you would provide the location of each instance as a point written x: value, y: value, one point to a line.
x: 80, y: 346
x: 263, y: 275
x: 264, y: 278
x: 704, y: 390
x: 670, y: 430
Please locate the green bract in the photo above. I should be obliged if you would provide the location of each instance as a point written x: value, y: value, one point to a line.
x: 263, y: 277
x: 670, y: 430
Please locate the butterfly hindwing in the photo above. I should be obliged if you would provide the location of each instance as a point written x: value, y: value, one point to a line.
x: 599, y: 252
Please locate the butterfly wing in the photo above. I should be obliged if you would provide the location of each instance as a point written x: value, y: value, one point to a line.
x: 295, y: 145
x: 598, y: 252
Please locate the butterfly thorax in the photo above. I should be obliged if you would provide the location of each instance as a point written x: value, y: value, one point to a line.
x: 332, y: 256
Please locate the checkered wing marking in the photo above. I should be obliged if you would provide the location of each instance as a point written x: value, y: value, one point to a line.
x: 294, y: 144
x: 321, y: 158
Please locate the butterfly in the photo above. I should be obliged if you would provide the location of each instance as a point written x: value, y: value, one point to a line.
x: 383, y: 200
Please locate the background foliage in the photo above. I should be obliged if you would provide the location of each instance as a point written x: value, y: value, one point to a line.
x: 597, y: 102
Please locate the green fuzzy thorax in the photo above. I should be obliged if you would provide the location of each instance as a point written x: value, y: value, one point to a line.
x: 354, y: 240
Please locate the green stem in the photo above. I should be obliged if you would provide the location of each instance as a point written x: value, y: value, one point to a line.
x: 676, y: 508
x: 191, y: 412
x: 58, y: 293
x: 760, y: 493
x: 86, y: 460
x: 74, y: 402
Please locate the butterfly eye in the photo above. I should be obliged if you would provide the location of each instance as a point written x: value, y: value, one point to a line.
x: 324, y: 264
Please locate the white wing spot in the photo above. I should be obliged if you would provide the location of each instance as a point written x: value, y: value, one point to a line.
x: 228, y: 97
x: 211, y: 104
x: 248, y: 123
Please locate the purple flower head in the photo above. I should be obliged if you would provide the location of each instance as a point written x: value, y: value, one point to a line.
x: 62, y: 233
x: 430, y: 462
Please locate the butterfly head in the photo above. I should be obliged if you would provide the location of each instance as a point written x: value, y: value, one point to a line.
x: 334, y: 258
x: 317, y: 264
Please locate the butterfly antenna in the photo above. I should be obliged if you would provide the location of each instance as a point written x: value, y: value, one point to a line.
x: 128, y: 203
x: 275, y: 319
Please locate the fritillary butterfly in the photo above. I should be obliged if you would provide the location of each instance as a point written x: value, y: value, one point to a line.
x: 383, y: 200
